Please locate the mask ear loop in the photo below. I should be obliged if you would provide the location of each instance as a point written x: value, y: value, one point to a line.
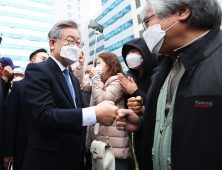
x: 172, y: 26
x: 59, y: 45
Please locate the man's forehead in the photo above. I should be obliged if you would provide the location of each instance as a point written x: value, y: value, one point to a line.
x: 71, y: 32
x: 149, y: 13
x: 42, y: 54
x: 89, y: 66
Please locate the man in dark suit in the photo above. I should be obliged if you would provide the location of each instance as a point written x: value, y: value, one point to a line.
x: 16, y: 119
x: 1, y: 119
x: 56, y: 135
x: 6, y: 73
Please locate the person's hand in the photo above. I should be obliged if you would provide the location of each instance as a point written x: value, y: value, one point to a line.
x: 92, y: 73
x: 7, y: 160
x: 7, y: 72
x: 136, y: 105
x: 127, y: 120
x: 106, y: 113
x: 128, y: 85
x: 84, y: 160
x: 81, y: 59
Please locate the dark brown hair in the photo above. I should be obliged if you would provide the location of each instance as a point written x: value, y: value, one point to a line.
x: 114, y: 64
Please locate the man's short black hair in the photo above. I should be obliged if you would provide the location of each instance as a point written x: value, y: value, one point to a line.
x: 32, y: 56
x: 130, y: 48
x: 89, y: 63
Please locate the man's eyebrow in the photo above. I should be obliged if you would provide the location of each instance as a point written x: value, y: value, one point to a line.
x: 73, y: 37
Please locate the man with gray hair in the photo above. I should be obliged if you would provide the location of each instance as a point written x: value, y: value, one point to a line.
x: 57, y: 125
x: 181, y: 124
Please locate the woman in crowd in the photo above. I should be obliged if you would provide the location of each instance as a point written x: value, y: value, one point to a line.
x: 106, y: 86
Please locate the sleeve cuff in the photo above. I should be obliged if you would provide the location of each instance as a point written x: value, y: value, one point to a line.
x: 79, y: 68
x: 96, y: 78
x: 88, y: 116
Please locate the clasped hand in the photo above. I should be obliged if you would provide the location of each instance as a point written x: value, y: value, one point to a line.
x: 128, y: 85
x: 127, y: 119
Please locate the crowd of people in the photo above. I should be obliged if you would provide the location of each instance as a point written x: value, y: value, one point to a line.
x: 163, y: 113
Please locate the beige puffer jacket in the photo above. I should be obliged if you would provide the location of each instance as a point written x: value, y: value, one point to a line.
x: 119, y: 140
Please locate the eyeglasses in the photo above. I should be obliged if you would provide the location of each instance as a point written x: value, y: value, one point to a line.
x: 145, y: 22
x: 71, y: 43
x: 80, y: 44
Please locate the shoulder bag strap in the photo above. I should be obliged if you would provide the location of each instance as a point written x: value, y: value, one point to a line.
x: 105, y: 127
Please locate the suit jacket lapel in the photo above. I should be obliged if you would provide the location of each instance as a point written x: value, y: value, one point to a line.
x: 61, y: 78
x: 77, y: 99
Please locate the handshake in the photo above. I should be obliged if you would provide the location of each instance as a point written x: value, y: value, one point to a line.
x: 126, y: 119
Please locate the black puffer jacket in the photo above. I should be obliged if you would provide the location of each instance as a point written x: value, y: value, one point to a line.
x: 196, y: 130
x: 150, y: 62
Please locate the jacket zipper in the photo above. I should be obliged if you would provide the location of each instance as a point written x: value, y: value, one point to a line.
x: 171, y: 83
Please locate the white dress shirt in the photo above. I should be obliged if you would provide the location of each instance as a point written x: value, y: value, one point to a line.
x: 88, y: 114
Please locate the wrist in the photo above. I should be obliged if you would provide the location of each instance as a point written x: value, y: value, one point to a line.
x: 133, y: 91
x: 96, y: 112
x: 79, y: 67
x: 5, y: 78
x: 141, y: 111
x: 96, y: 78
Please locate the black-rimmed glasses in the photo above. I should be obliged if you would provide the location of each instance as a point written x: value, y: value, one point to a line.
x: 71, y: 43
x: 145, y: 22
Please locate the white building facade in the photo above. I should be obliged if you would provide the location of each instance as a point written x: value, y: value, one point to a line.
x: 116, y: 17
x: 25, y: 24
x: 121, y: 22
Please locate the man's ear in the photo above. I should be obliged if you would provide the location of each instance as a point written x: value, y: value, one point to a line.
x: 183, y: 13
x: 31, y: 61
x: 52, y: 44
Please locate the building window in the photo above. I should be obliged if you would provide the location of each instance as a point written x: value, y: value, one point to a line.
x: 118, y: 44
x: 69, y: 6
x: 138, y: 3
x: 141, y: 33
x: 79, y: 17
x: 139, y: 19
x: 117, y: 16
x: 118, y: 30
x: 79, y: 9
x: 78, y: 1
x: 69, y: 15
x: 110, y: 8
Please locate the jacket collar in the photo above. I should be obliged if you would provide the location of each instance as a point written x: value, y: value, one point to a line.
x: 60, y: 76
x: 62, y: 67
x: 201, y: 49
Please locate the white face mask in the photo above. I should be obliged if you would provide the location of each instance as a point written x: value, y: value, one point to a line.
x: 99, y: 69
x: 154, y: 36
x: 86, y: 78
x: 17, y: 79
x: 134, y: 61
x: 70, y: 54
